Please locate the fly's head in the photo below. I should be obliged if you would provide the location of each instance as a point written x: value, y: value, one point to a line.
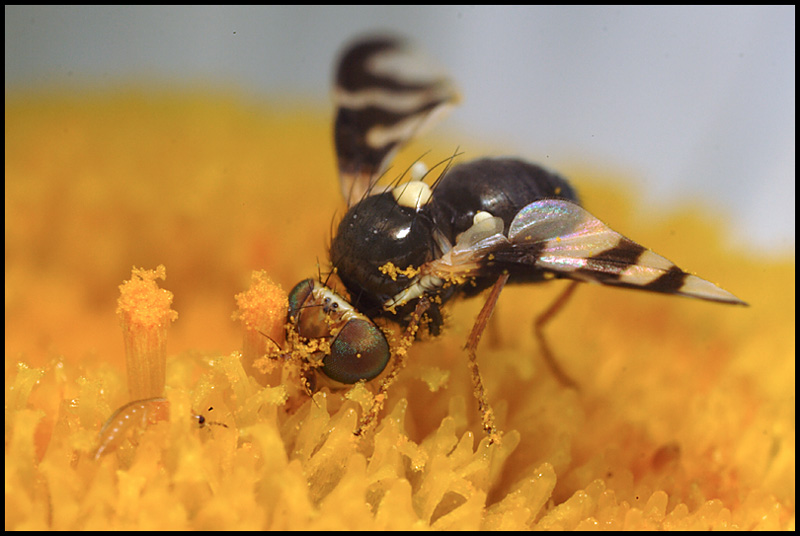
x: 342, y: 344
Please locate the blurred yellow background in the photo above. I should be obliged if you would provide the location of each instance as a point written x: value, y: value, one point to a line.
x: 215, y: 185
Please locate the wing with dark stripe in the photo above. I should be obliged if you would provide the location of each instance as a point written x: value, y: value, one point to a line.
x: 385, y: 94
x: 570, y: 242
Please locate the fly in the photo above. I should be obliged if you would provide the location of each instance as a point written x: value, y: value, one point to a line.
x: 403, y: 251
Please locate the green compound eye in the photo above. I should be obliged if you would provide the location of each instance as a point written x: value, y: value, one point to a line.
x: 359, y: 352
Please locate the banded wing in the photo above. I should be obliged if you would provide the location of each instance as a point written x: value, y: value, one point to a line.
x: 562, y: 238
x: 567, y: 240
x: 385, y: 94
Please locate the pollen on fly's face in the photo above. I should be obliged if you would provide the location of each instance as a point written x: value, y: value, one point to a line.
x: 404, y: 251
x: 358, y: 349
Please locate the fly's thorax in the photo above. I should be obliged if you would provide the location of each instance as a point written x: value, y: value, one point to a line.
x: 376, y: 232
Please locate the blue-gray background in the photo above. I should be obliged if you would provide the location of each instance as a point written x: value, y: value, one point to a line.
x: 694, y: 102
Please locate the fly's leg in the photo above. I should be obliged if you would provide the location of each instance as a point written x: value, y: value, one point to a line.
x: 539, y: 326
x: 400, y: 353
x: 487, y: 415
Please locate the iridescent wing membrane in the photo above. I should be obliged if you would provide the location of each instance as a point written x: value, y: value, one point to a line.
x: 571, y: 242
x: 385, y: 94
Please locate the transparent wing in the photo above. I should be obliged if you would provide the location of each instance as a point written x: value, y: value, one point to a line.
x: 561, y: 237
x: 385, y: 94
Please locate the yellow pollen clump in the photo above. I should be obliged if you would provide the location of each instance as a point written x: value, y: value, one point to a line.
x: 262, y: 310
x: 144, y: 313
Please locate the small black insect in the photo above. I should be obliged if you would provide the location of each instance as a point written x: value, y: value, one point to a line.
x: 403, y: 251
x: 202, y: 422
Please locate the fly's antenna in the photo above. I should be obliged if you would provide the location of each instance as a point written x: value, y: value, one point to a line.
x: 273, y: 341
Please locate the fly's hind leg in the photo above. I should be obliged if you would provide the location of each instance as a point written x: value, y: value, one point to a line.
x: 541, y: 321
x: 487, y: 415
